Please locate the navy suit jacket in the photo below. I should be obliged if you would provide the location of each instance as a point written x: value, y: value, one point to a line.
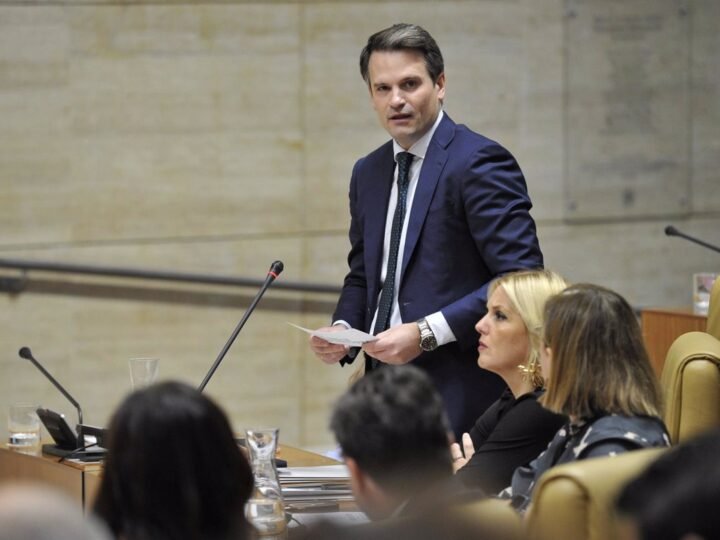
x: 469, y: 223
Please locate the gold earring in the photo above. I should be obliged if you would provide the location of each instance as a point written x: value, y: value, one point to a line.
x: 531, y: 372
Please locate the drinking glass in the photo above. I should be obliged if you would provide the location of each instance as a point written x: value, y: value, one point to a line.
x: 143, y: 371
x: 23, y: 426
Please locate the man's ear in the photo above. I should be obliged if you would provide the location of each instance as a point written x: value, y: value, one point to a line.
x: 369, y: 496
x: 358, y: 478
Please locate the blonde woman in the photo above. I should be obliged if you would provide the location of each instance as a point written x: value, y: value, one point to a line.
x: 597, y: 374
x: 515, y: 429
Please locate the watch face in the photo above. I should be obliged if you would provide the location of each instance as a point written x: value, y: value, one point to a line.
x: 428, y: 343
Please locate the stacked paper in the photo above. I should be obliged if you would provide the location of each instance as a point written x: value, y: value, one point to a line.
x: 315, y: 488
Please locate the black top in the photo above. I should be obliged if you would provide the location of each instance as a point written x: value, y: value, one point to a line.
x: 511, y: 433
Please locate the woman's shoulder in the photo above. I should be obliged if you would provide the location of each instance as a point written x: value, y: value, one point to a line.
x: 640, y: 431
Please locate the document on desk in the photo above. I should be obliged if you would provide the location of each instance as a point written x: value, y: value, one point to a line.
x: 350, y: 337
x: 313, y: 485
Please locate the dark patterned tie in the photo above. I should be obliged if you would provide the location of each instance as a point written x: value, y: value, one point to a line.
x: 404, y: 159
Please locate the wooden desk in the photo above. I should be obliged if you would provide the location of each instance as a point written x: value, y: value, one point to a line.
x: 82, y: 480
x: 661, y: 326
x: 17, y: 466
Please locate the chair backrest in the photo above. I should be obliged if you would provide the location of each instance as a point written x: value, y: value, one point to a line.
x: 713, y: 320
x: 494, y: 517
x: 576, y: 500
x: 691, y: 385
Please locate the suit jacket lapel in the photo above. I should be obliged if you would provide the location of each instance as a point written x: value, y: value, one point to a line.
x: 433, y: 164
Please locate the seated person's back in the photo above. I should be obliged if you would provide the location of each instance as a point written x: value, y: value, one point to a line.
x: 173, y: 469
x: 394, y: 436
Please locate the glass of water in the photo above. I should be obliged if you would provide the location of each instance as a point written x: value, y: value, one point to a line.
x: 23, y: 426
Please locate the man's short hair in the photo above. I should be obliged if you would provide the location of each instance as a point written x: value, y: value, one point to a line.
x: 393, y: 424
x: 403, y: 36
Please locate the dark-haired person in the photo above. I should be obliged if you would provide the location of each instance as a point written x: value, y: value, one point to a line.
x: 676, y: 497
x: 597, y: 374
x: 436, y: 213
x: 393, y: 433
x: 516, y: 428
x: 173, y: 469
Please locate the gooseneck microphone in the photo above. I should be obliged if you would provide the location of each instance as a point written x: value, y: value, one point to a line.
x: 672, y: 231
x: 273, y: 273
x: 27, y: 355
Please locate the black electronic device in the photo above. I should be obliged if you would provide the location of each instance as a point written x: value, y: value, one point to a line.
x: 100, y: 434
x: 58, y: 429
x: 65, y: 440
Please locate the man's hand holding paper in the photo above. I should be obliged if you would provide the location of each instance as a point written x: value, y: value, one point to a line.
x: 331, y: 343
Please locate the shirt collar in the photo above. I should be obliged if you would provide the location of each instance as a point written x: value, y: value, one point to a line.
x: 419, y: 149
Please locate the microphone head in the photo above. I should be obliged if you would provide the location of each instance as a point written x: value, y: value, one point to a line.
x: 670, y: 230
x: 276, y: 268
x: 25, y: 353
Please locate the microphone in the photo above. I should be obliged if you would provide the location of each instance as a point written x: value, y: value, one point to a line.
x: 273, y: 273
x: 672, y: 231
x: 27, y: 355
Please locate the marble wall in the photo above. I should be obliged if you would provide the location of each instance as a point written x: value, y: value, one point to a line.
x: 216, y: 137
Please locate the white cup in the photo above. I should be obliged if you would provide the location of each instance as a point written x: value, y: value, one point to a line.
x: 143, y: 371
x: 23, y: 426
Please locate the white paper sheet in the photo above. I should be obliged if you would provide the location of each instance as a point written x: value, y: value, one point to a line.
x: 350, y: 337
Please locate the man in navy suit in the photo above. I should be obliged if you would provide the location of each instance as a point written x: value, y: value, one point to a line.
x: 436, y: 213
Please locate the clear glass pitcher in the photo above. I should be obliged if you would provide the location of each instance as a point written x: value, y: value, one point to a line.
x: 265, y: 509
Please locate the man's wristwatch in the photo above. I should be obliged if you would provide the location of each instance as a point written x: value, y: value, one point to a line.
x: 427, y: 338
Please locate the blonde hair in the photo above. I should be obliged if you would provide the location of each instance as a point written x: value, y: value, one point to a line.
x: 528, y: 290
x: 599, y: 362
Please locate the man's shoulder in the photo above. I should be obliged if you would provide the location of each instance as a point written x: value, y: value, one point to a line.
x: 382, y: 153
x: 464, y: 136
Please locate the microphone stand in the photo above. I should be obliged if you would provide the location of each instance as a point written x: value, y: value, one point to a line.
x: 672, y: 231
x: 273, y: 273
x: 27, y: 355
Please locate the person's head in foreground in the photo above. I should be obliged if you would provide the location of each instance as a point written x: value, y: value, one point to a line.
x: 676, y: 497
x: 393, y: 433
x: 39, y: 512
x: 594, y: 360
x: 173, y: 469
x: 510, y: 333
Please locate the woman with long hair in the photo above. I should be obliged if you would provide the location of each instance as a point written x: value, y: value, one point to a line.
x: 598, y: 374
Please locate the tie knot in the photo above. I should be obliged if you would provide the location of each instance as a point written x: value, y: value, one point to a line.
x: 404, y: 159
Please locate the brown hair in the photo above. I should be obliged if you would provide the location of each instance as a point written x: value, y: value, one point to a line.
x: 403, y: 36
x: 599, y: 362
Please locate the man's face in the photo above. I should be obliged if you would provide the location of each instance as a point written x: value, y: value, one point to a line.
x: 406, y: 100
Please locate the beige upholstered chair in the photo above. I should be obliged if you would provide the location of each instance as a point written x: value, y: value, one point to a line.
x: 691, y: 385
x: 494, y: 517
x: 713, y: 321
x: 576, y: 500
